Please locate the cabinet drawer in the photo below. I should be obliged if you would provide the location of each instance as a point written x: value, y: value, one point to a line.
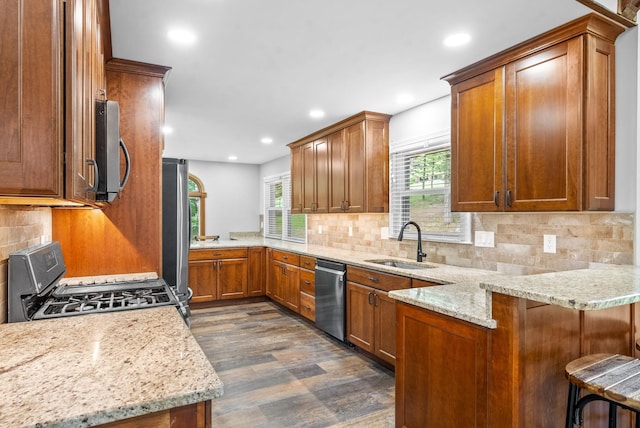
x: 308, y: 306
x: 288, y: 258
x: 308, y: 281
x: 307, y: 262
x: 379, y: 280
x: 215, y: 254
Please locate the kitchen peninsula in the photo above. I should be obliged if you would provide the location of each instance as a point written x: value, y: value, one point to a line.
x: 120, y: 368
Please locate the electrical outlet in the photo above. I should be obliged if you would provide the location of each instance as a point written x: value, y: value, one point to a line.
x: 384, y: 233
x: 350, y: 230
x: 484, y: 239
x: 549, y: 243
x: 320, y: 230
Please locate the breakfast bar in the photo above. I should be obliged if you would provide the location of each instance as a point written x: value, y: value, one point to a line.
x: 507, y: 369
x: 138, y: 366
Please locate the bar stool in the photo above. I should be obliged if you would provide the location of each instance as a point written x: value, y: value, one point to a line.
x: 612, y: 378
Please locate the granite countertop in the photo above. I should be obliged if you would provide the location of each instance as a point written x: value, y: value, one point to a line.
x: 461, y: 297
x: 85, y: 370
x: 600, y: 287
x: 466, y: 293
x: 465, y: 301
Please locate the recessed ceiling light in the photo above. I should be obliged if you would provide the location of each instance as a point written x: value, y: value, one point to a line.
x: 405, y: 98
x: 166, y: 130
x: 232, y: 158
x: 182, y: 36
x: 316, y: 113
x: 266, y: 140
x: 457, y: 39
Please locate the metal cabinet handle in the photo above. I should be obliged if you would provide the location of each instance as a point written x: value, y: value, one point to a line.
x: 307, y: 282
x: 372, y: 279
x: 496, y: 199
x: 285, y: 257
x: 509, y: 198
x: 375, y: 300
x: 307, y: 307
x: 346, y: 206
x: 369, y: 298
x: 217, y: 254
x: 96, y: 175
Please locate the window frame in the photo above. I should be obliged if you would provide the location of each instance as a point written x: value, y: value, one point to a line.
x: 398, y: 215
x: 285, y: 209
x: 202, y: 195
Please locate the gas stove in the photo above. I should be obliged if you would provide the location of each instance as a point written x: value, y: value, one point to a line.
x: 37, y: 289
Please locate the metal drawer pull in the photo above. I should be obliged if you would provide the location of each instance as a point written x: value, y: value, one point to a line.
x: 307, y: 282
x: 372, y: 279
x: 495, y: 198
x: 509, y: 198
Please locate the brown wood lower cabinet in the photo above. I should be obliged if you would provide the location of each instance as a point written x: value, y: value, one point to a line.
x: 371, y: 313
x: 218, y: 274
x: 284, y: 279
x: 441, y: 371
x: 197, y: 415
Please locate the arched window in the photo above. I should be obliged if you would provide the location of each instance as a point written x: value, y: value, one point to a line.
x: 196, y: 203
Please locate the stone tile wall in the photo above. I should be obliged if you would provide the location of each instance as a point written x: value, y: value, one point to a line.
x: 581, y: 239
x: 20, y: 227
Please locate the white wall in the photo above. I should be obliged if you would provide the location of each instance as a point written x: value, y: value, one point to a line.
x: 423, y: 120
x: 233, y: 199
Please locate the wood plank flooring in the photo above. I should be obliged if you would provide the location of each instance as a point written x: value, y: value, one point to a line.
x: 279, y: 371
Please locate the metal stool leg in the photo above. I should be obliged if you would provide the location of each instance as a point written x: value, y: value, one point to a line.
x: 613, y: 414
x: 574, y: 392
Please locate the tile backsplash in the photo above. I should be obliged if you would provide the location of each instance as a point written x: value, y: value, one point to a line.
x: 20, y: 227
x: 581, y: 239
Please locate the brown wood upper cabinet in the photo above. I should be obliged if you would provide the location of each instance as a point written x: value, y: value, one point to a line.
x: 533, y: 126
x: 52, y: 70
x: 342, y: 168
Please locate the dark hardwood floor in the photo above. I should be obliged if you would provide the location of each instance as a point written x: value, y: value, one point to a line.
x: 279, y: 371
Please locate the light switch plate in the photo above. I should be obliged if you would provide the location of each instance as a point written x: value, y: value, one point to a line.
x: 484, y: 239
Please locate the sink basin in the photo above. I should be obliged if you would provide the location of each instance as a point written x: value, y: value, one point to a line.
x: 400, y: 264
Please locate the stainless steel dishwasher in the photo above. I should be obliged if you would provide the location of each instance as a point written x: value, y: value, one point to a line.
x: 330, y: 297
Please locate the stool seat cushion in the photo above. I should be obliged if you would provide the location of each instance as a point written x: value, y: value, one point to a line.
x: 613, y: 376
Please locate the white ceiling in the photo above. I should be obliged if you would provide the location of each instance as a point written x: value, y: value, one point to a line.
x: 259, y: 66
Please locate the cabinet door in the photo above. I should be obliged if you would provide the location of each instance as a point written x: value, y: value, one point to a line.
x: 375, y: 192
x: 356, y: 173
x: 291, y: 285
x: 202, y: 280
x: 360, y: 316
x: 276, y: 278
x: 232, y: 278
x: 31, y: 112
x: 85, y: 84
x: 297, y: 181
x: 385, y: 327
x: 543, y: 129
x: 256, y: 286
x: 441, y: 370
x: 337, y: 171
x: 477, y: 143
x: 315, y: 176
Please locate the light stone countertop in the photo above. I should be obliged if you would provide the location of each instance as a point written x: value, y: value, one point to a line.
x: 85, y: 370
x: 467, y: 293
x: 465, y: 301
x: 600, y: 287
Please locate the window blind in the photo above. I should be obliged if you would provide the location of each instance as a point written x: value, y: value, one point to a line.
x: 420, y: 190
x: 279, y: 223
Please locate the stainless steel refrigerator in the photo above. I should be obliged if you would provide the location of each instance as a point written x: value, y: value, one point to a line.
x: 176, y: 227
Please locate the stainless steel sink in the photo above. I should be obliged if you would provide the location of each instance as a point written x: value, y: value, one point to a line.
x: 400, y: 264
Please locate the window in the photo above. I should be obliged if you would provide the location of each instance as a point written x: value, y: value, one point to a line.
x: 420, y: 190
x: 278, y: 220
x: 196, y: 205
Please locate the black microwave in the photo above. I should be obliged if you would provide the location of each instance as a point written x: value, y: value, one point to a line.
x: 109, y: 182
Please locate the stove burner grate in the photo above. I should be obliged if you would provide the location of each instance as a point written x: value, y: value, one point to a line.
x: 104, y: 300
